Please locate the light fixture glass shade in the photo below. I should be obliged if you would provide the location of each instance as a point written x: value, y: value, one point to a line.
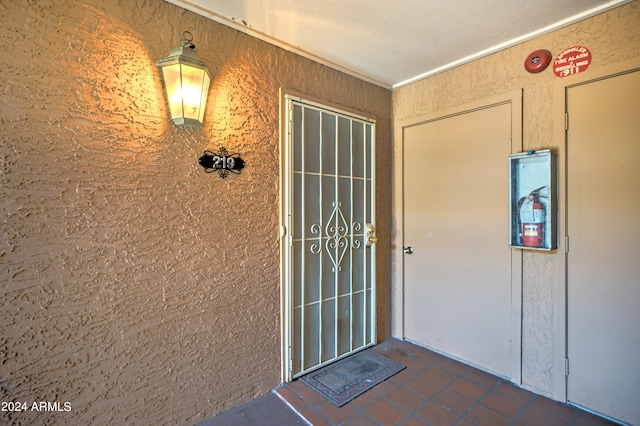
x: 186, y: 80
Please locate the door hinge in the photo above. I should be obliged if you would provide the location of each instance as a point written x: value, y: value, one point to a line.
x: 566, y: 244
x: 566, y: 121
x: 566, y: 366
x: 283, y: 231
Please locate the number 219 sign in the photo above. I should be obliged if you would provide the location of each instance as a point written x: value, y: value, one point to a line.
x: 222, y: 162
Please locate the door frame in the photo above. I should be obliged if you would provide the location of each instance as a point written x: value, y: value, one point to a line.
x: 573, y: 389
x: 286, y: 328
x: 560, y: 301
x: 397, y: 255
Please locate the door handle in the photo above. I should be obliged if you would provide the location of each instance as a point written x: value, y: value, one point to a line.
x: 371, y: 235
x: 408, y: 250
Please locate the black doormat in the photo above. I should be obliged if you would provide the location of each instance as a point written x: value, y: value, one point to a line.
x: 343, y: 380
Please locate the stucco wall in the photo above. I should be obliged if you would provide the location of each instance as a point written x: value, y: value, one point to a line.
x: 133, y: 285
x: 612, y: 37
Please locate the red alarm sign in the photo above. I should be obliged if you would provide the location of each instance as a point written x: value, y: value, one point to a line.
x: 572, y: 61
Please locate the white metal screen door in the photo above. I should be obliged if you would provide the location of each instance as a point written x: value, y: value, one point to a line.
x: 329, y: 256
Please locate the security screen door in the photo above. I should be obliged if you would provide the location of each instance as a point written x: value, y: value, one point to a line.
x: 329, y: 298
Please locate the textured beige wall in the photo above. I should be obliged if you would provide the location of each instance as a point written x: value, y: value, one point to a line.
x: 132, y: 284
x: 613, y: 38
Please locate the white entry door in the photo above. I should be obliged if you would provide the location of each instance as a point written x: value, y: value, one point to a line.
x: 603, y: 263
x: 329, y: 304
x: 459, y: 298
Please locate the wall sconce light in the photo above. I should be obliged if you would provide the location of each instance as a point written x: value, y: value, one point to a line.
x: 186, y: 80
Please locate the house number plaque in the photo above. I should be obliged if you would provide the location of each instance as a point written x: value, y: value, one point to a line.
x: 222, y: 162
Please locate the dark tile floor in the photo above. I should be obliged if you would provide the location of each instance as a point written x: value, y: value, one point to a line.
x: 432, y: 390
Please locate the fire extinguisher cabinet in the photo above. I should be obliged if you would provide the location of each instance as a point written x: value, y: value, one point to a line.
x: 533, y: 178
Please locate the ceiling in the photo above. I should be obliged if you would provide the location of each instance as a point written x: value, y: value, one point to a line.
x: 394, y: 43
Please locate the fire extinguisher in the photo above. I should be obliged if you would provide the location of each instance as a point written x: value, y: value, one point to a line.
x: 532, y: 216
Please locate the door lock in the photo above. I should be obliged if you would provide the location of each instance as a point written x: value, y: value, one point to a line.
x: 408, y: 250
x: 371, y: 235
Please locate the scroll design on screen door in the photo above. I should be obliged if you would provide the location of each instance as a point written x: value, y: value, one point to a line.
x: 337, y: 237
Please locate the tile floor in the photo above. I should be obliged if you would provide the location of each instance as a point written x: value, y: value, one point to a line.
x: 434, y: 390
